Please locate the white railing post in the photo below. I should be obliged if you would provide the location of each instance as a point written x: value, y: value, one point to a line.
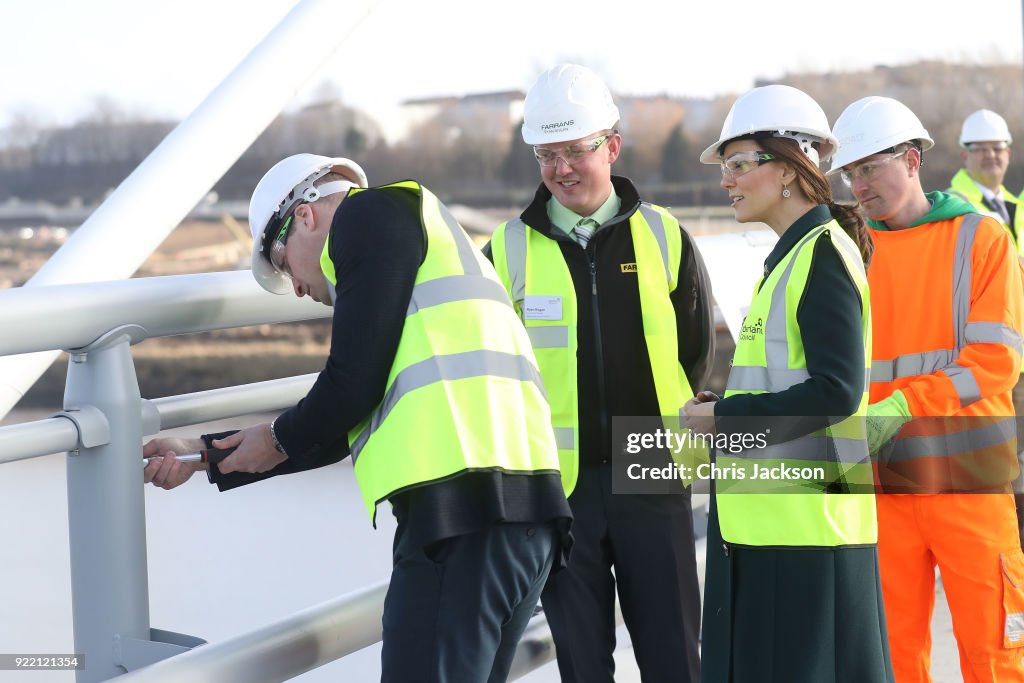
x: 106, y: 509
x: 106, y: 514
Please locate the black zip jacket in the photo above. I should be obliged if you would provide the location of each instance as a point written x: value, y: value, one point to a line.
x: 614, y: 369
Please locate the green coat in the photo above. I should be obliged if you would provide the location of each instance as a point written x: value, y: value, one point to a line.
x: 794, y: 615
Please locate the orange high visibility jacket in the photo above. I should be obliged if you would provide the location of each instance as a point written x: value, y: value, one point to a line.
x: 947, y: 310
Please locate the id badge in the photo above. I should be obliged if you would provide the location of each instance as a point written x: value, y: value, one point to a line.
x: 542, y: 307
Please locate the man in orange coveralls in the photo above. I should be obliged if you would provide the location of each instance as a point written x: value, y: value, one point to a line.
x: 947, y: 311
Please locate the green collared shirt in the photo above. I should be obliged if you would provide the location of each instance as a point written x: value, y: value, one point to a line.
x: 566, y: 219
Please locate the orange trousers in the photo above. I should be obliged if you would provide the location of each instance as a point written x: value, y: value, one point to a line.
x: 974, y: 541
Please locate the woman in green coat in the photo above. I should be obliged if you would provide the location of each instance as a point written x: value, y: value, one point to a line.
x: 792, y: 593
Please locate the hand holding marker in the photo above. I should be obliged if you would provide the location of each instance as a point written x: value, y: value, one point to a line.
x: 206, y: 456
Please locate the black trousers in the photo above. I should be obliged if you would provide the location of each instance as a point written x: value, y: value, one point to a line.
x: 648, y: 539
x: 456, y: 608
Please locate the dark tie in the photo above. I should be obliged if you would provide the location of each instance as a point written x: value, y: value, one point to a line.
x: 1000, y: 206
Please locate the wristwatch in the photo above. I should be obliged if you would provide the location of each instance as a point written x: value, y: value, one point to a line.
x: 273, y: 437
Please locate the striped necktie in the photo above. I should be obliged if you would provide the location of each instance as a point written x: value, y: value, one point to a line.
x: 1000, y: 207
x: 584, y: 230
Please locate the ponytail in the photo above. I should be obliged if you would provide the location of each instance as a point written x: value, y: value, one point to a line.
x: 852, y: 222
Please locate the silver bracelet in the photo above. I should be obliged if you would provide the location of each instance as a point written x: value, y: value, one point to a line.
x: 273, y: 437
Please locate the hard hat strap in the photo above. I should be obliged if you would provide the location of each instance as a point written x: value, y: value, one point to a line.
x: 327, y: 189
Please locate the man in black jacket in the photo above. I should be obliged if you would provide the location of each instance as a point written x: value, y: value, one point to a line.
x: 599, y: 259
x: 429, y: 384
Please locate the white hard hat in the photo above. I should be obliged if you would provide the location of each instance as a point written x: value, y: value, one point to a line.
x: 874, y: 124
x: 289, y: 182
x: 782, y: 111
x: 983, y: 126
x: 567, y: 102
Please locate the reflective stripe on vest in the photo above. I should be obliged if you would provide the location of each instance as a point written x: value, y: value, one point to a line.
x: 769, y: 358
x: 450, y: 368
x: 531, y: 264
x: 464, y: 392
x: 978, y: 433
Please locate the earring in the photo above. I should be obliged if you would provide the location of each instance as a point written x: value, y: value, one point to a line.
x: 785, y: 192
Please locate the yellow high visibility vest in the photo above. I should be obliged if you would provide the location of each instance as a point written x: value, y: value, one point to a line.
x: 770, y: 358
x: 464, y: 393
x: 962, y: 186
x: 529, y: 264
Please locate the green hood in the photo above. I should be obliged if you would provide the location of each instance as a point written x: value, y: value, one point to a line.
x: 944, y: 207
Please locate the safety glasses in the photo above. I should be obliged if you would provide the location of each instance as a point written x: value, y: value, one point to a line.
x: 982, y: 148
x: 572, y: 154
x: 868, y: 170
x: 276, y: 245
x: 742, y: 163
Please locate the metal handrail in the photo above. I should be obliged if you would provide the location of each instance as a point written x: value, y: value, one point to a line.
x: 35, y: 439
x: 73, y: 316
x: 186, y: 410
x: 308, y: 639
x: 62, y: 432
x: 285, y: 649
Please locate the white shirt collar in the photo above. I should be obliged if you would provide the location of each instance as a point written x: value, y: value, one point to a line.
x: 987, y: 193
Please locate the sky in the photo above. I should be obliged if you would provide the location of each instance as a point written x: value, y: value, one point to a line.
x: 158, y: 58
